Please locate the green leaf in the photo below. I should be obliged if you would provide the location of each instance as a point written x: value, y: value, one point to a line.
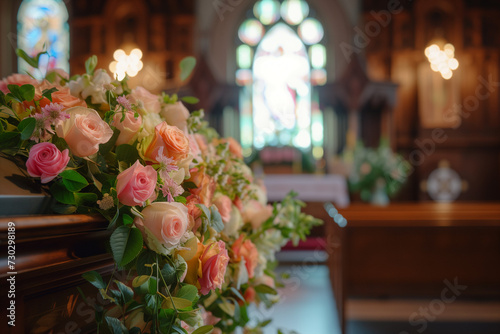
x: 73, y: 181
x: 108, y: 146
x: 238, y: 294
x: 126, y: 292
x: 116, y: 326
x: 27, y: 92
x: 64, y: 209
x: 227, y: 307
x: 9, y: 139
x: 204, y: 330
x: 179, y: 303
x: 262, y: 288
x: 61, y: 194
x: 168, y: 273
x: 81, y: 198
x: 26, y: 127
x: 190, y: 99
x: 48, y: 92
x: 140, y: 280
x: 127, y: 153
x: 147, y: 257
x: 126, y: 244
x: 90, y: 65
x: 153, y: 285
x: 31, y: 61
x: 216, y: 219
x: 187, y: 65
x: 95, y: 279
x: 180, y: 199
x: 205, y: 210
x: 189, y: 292
x: 127, y: 220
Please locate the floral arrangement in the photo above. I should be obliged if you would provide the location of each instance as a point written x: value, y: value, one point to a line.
x: 376, y: 173
x: 189, y: 223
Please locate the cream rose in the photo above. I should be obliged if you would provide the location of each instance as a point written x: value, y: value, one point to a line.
x: 163, y: 225
x: 84, y: 131
x: 176, y: 114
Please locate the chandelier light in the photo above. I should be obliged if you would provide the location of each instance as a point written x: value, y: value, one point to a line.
x: 124, y: 63
x: 442, y: 61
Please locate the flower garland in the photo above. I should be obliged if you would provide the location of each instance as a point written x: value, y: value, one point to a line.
x: 190, y: 224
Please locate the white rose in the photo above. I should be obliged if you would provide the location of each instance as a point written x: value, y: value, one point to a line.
x: 231, y: 228
x: 149, y: 122
x: 176, y: 115
x: 163, y: 226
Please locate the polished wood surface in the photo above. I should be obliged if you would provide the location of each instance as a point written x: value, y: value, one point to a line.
x: 409, y: 250
x: 52, y: 253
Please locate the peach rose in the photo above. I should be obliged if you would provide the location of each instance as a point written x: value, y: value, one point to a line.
x: 224, y: 204
x: 150, y: 102
x: 246, y: 250
x: 249, y: 295
x: 128, y: 127
x: 255, y: 213
x: 84, y: 131
x: 17, y: 79
x: 214, y: 262
x: 194, y: 211
x: 163, y: 225
x: 62, y: 96
x: 234, y: 147
x: 175, y: 144
x: 136, y: 184
x: 176, y: 114
x: 206, y: 190
x: 46, y: 161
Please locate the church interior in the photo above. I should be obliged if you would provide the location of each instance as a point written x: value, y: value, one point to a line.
x: 383, y: 115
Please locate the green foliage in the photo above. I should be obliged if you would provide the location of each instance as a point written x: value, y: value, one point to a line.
x: 32, y: 61
x: 95, y: 279
x: 90, y: 65
x: 187, y: 66
x: 26, y: 127
x: 73, y: 181
x: 126, y: 243
x: 127, y: 153
x: 190, y: 99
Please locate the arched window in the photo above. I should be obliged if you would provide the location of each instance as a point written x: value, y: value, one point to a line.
x: 280, y: 61
x: 43, y: 23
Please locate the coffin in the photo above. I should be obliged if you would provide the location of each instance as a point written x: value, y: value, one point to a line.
x: 51, y: 254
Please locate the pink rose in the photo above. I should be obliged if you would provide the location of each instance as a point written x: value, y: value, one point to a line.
x: 136, y: 184
x: 163, y: 225
x: 128, y: 127
x: 150, y: 102
x: 214, y: 262
x: 17, y: 79
x: 176, y: 115
x: 46, y: 161
x: 84, y: 131
x: 224, y: 204
x: 246, y: 250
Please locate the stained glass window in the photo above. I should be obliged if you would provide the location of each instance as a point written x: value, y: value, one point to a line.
x: 280, y: 61
x: 43, y: 23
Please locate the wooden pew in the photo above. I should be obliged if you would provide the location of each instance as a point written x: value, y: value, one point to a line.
x: 408, y: 250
